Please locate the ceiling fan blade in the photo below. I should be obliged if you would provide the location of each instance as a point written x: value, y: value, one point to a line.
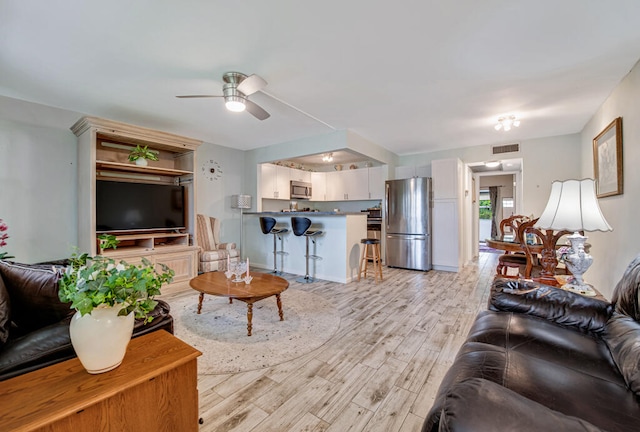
x: 198, y: 96
x: 256, y: 111
x: 252, y: 84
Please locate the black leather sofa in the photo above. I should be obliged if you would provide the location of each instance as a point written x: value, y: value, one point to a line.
x: 34, y: 323
x: 543, y: 359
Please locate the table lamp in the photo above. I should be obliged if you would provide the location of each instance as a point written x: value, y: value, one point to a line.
x: 573, y: 206
x: 241, y: 202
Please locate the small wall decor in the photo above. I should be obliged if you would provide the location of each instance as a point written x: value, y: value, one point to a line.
x: 211, y: 170
x: 607, y: 160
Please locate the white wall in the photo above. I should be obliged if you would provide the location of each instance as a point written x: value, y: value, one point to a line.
x: 544, y: 160
x: 38, y: 180
x: 213, y: 197
x: 612, y: 251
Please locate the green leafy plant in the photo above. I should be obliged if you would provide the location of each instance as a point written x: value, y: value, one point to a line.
x: 485, y: 209
x: 142, y: 153
x: 108, y: 241
x: 89, y: 282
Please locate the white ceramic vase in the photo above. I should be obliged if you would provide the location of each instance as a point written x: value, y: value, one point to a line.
x: 141, y: 162
x: 100, y: 338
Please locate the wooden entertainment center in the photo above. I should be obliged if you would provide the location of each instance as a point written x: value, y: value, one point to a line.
x: 103, y: 151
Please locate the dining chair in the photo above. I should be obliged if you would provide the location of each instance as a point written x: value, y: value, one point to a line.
x: 517, y: 260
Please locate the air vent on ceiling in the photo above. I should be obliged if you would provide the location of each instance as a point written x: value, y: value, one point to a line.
x: 507, y: 148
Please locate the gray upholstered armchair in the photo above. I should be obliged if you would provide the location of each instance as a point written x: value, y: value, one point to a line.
x: 213, y: 254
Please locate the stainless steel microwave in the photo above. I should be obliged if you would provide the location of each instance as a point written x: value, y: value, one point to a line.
x: 300, y: 190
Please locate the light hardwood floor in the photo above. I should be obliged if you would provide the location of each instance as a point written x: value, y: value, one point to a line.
x: 379, y: 372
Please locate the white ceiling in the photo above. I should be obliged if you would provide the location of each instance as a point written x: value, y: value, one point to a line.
x: 411, y: 76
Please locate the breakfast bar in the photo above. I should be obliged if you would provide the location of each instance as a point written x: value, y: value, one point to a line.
x: 338, y: 247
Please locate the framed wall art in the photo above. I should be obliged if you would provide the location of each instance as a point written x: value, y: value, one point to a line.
x: 607, y: 160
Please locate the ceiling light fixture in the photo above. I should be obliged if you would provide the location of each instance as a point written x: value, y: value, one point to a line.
x: 234, y: 103
x: 506, y: 122
x: 492, y: 164
x: 327, y: 157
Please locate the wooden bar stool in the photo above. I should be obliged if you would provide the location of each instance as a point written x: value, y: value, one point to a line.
x: 301, y: 227
x: 371, y: 250
x: 268, y: 226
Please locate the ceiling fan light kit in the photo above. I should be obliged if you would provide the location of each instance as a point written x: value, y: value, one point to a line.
x: 235, y: 104
x: 235, y: 91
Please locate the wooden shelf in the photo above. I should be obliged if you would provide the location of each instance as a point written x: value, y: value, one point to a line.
x: 132, y: 168
x: 104, y: 147
x: 146, y: 242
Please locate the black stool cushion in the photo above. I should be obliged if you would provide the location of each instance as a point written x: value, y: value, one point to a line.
x: 300, y: 225
x: 370, y: 241
x: 267, y: 224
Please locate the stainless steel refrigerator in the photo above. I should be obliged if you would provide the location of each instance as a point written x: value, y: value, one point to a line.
x: 408, y: 223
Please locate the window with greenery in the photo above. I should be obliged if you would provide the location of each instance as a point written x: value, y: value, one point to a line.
x: 484, y: 205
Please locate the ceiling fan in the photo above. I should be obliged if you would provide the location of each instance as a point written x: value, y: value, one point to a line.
x: 236, y: 90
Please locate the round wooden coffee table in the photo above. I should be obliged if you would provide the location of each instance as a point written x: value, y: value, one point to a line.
x: 262, y: 286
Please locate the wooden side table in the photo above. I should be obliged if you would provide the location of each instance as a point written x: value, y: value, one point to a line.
x: 155, y: 388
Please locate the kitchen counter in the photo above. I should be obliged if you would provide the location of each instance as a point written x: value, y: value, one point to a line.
x: 339, y: 246
x: 308, y: 214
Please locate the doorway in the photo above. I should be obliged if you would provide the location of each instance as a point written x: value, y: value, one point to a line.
x: 497, y: 193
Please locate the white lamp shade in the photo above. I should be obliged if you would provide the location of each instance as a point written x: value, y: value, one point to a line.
x: 573, y: 206
x: 241, y: 201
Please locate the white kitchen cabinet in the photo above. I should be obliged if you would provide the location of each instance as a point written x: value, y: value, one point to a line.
x: 283, y: 182
x: 268, y: 181
x: 357, y: 184
x: 318, y: 186
x: 446, y: 235
x: 409, y: 171
x: 446, y: 174
x: 335, y: 188
x: 447, y: 214
x: 274, y: 181
x: 376, y: 182
x: 348, y: 185
x: 300, y: 175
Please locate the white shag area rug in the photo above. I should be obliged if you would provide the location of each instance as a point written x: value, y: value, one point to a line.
x: 220, y: 331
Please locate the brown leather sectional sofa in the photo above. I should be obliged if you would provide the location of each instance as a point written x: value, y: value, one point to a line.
x: 546, y: 359
x: 34, y: 323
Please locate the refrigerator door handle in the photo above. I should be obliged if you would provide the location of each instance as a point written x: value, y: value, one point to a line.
x: 407, y: 237
x: 386, y: 204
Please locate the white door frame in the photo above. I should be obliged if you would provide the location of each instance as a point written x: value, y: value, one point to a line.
x: 518, y: 199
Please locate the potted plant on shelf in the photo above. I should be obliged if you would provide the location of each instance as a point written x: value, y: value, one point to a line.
x: 107, y: 296
x: 107, y: 241
x: 140, y: 155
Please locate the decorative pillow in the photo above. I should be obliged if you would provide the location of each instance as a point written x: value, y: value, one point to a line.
x: 34, y: 295
x: 5, y: 314
x: 622, y: 335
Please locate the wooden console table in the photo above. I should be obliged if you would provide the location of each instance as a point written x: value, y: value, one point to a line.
x: 155, y: 388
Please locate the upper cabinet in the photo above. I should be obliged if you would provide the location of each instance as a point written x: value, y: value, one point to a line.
x: 300, y: 175
x: 347, y: 185
x: 376, y: 182
x: 409, y: 171
x: 275, y: 181
x: 318, y: 186
x: 446, y: 174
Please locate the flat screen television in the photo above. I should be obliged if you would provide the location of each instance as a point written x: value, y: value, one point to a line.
x: 124, y: 206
